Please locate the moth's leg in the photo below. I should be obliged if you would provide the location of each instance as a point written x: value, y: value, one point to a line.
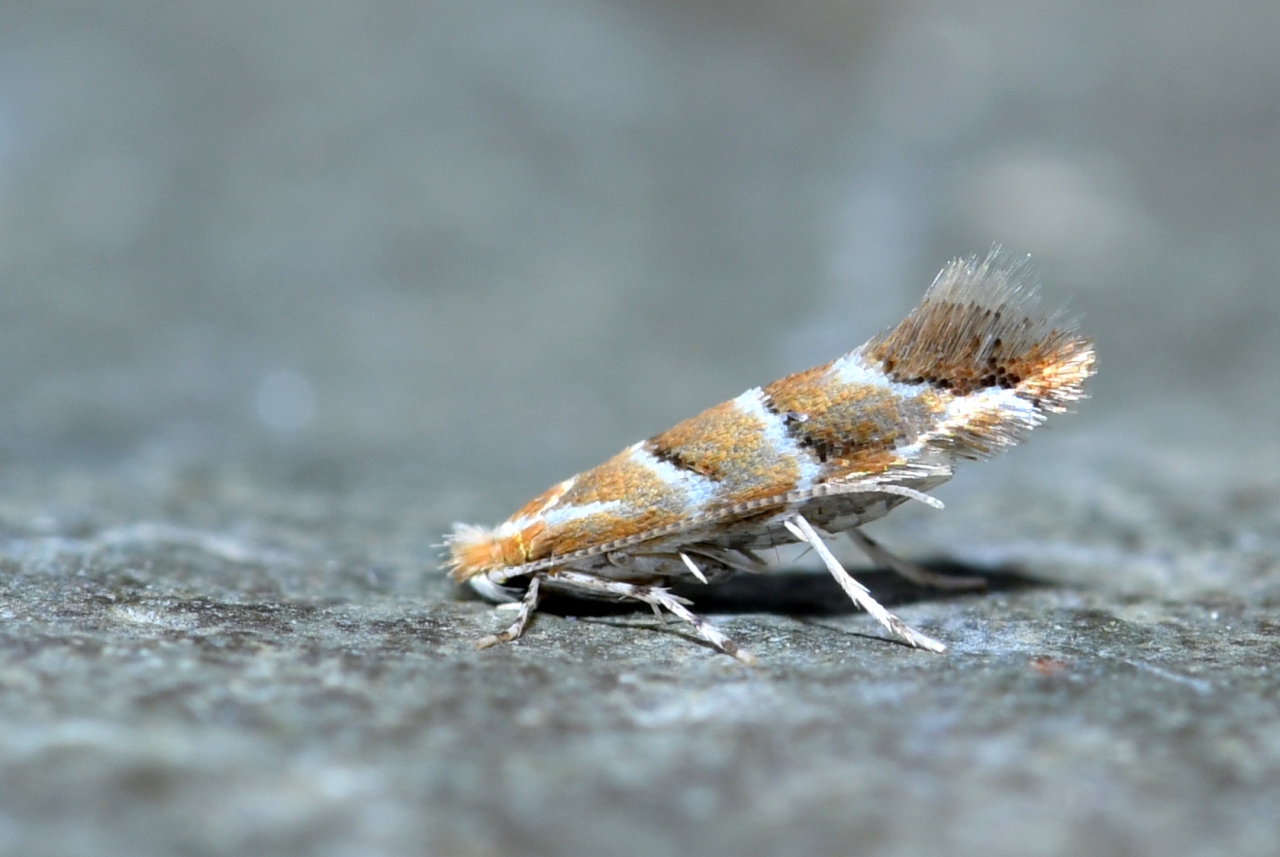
x: 735, y: 559
x: 708, y: 632
x: 804, y: 531
x: 657, y: 598
x: 693, y: 567
x: 916, y: 574
x: 528, y: 604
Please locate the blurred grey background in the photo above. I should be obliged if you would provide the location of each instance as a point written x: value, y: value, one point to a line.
x: 287, y: 287
x: 490, y: 243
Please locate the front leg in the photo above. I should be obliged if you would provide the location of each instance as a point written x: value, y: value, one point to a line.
x: 528, y: 605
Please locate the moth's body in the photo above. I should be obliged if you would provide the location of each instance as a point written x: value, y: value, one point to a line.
x: 823, y: 451
x: 721, y: 548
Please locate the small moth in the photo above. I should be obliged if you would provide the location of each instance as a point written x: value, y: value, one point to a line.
x: 972, y: 369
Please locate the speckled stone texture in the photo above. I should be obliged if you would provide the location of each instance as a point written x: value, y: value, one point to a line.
x: 230, y: 669
x: 287, y: 288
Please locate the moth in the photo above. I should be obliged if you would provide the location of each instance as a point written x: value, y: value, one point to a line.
x: 973, y: 368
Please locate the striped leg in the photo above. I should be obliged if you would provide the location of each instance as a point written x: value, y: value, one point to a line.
x: 657, y: 598
x: 527, y: 605
x: 804, y: 531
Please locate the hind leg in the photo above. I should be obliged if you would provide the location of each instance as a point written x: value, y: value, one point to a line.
x: 905, y: 568
x: 804, y: 532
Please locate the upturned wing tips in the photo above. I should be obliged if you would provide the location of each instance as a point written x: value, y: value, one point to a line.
x: 980, y: 326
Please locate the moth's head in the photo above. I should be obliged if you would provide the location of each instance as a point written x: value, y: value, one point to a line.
x: 474, y: 550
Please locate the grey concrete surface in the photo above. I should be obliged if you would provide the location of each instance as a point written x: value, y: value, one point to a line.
x: 286, y: 288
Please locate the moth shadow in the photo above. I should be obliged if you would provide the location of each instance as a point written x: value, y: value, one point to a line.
x: 796, y: 592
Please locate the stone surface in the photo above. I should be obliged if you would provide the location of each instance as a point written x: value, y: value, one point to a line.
x: 226, y: 668
x: 286, y: 288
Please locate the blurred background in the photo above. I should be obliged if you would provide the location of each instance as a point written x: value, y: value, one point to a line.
x: 286, y: 286
x: 489, y: 243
